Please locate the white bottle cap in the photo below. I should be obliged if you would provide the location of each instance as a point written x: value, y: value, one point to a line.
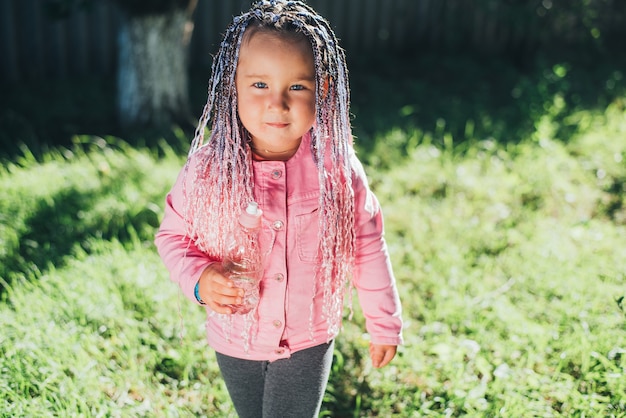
x: 252, y: 208
x: 251, y: 217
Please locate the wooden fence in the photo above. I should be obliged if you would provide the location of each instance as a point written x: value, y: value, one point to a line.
x: 32, y: 45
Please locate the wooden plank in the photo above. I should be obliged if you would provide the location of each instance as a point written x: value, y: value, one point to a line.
x: 353, y: 31
x: 339, y: 21
x: 430, y: 25
x: 79, y: 35
x: 204, y: 35
x: 407, y: 35
x: 31, y: 46
x: 423, y: 19
x: 370, y: 32
x: 400, y: 32
x: 412, y: 21
x: 451, y: 23
x: 227, y: 12
x: 383, y: 24
x: 29, y: 61
x: 9, y: 70
x: 324, y: 8
x: 56, y: 47
x: 477, y: 24
x: 502, y: 28
x: 103, y: 46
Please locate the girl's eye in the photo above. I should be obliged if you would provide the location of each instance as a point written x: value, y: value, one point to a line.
x: 297, y: 87
x: 260, y: 85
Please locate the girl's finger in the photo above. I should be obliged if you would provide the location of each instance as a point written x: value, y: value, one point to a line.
x: 224, y: 299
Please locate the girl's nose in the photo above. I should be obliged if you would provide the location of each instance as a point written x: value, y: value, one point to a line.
x: 278, y: 101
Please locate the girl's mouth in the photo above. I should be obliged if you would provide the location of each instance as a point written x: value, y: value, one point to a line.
x: 277, y: 124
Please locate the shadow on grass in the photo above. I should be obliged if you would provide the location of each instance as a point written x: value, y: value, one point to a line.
x: 45, y: 114
x: 473, y: 98
x: 59, y: 222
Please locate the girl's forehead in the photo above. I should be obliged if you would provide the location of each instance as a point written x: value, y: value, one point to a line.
x: 276, y: 39
x: 264, y: 47
x: 271, y: 34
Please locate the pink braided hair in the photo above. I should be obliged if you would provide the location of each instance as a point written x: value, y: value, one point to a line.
x: 224, y: 179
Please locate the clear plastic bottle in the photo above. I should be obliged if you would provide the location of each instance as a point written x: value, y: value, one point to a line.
x: 243, y: 261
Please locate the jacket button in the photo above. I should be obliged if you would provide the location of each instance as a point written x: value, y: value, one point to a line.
x: 277, y: 324
x: 276, y: 174
x: 277, y: 225
x: 279, y: 277
x: 279, y: 351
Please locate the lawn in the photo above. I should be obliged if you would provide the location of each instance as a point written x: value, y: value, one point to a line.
x: 505, y: 210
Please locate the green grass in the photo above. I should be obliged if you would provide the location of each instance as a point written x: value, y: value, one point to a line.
x: 510, y: 261
x: 514, y: 265
x: 510, y: 257
x: 96, y: 330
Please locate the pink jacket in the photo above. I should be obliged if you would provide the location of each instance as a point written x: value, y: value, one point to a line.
x: 288, y: 192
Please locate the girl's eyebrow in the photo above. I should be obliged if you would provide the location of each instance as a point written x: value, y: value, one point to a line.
x: 301, y: 77
x: 254, y: 75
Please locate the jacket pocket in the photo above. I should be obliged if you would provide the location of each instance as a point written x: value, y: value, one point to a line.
x: 306, y: 236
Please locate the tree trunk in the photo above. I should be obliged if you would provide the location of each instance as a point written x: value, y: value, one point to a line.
x: 152, y: 85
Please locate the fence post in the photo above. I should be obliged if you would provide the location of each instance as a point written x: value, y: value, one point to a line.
x: 8, y: 42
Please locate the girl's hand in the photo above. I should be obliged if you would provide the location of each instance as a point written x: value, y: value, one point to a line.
x: 218, y: 291
x: 381, y: 355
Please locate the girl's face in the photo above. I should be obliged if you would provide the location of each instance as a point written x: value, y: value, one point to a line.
x: 275, y: 83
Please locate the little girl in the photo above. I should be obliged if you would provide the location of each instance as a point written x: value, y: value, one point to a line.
x: 278, y: 107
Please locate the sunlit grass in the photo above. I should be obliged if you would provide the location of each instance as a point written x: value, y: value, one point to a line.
x: 511, y: 266
x: 510, y: 261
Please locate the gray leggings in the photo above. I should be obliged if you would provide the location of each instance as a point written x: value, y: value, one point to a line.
x: 292, y: 387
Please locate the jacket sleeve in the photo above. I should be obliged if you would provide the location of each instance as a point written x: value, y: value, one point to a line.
x: 373, y: 276
x: 183, y: 259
